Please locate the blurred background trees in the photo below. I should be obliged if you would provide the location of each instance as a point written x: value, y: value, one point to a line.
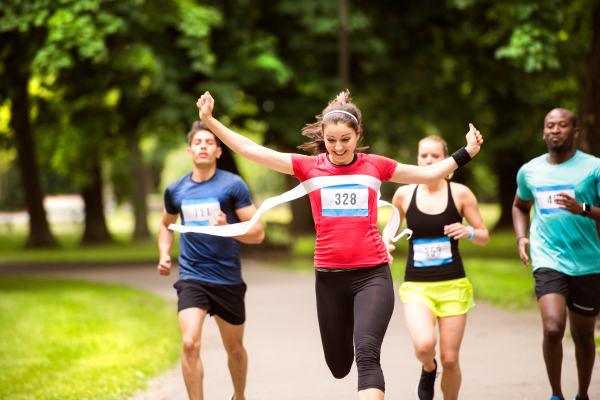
x: 96, y: 93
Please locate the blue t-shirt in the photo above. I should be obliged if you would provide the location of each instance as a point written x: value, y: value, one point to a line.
x: 560, y: 240
x: 203, y: 257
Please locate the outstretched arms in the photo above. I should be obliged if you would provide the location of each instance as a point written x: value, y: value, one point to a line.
x: 432, y: 173
x: 280, y: 162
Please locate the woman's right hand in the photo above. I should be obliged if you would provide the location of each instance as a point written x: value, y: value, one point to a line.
x: 205, y: 105
x: 474, y: 141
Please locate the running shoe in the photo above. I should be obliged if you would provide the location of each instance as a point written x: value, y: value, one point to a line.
x: 558, y: 398
x: 577, y: 398
x: 425, y: 385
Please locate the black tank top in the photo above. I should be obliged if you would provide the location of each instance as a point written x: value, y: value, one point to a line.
x: 432, y: 256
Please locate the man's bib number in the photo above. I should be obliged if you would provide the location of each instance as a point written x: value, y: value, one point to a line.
x: 432, y: 252
x: 545, y: 198
x: 197, y: 212
x: 345, y: 201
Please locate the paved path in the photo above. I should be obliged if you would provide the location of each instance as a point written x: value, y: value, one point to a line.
x: 501, y: 355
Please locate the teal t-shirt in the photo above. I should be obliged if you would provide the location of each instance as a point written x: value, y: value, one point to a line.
x: 560, y: 240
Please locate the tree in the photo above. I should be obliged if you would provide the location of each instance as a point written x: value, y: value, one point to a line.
x: 589, y: 103
x: 142, y: 87
x: 31, y: 41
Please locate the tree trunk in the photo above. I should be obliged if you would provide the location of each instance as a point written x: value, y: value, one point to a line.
x: 138, y: 198
x: 227, y: 162
x: 343, y: 44
x: 508, y: 162
x: 17, y: 79
x: 95, y: 231
x: 589, y: 102
x: 302, y: 219
x: 508, y: 159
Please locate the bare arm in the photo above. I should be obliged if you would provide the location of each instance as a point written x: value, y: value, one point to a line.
x: 165, y: 242
x: 471, y: 212
x: 432, y: 173
x: 520, y: 214
x: 280, y: 162
x: 254, y: 235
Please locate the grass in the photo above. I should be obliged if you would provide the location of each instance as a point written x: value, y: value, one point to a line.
x: 122, y: 250
x: 80, y: 340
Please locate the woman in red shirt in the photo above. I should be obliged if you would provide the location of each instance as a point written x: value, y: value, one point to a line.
x: 354, y: 288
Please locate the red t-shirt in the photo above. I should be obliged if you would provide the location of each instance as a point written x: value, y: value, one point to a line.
x: 345, y: 215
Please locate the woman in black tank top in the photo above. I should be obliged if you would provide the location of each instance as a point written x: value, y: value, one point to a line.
x: 435, y: 286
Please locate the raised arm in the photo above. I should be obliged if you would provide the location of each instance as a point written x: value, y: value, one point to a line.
x: 280, y: 162
x: 432, y: 173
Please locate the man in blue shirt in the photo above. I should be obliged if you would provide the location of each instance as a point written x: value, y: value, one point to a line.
x: 210, y: 278
x: 565, y: 252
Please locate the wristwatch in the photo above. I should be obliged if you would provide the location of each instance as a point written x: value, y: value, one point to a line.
x: 587, y: 209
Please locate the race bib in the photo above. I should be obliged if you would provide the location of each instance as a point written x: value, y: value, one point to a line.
x: 345, y: 201
x: 545, y: 198
x: 197, y: 212
x: 432, y: 252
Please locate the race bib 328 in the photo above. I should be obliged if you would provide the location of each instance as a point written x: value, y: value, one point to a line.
x: 545, y: 198
x: 345, y: 201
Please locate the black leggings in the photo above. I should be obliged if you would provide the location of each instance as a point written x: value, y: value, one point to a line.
x: 355, y: 304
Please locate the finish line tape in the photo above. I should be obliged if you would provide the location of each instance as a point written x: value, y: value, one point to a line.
x: 301, y: 190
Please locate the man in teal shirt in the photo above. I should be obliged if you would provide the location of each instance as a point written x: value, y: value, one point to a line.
x: 565, y: 252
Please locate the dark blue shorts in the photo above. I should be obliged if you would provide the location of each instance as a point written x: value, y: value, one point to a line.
x: 226, y: 301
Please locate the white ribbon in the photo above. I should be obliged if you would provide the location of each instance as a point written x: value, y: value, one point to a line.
x: 304, y: 188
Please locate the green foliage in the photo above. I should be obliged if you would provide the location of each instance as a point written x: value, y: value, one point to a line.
x: 75, y: 340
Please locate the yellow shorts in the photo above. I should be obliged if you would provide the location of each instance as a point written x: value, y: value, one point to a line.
x: 445, y: 298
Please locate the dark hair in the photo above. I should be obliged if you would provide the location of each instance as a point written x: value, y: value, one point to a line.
x: 314, y: 131
x: 200, y: 126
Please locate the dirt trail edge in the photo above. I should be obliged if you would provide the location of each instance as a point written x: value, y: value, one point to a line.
x: 501, y: 355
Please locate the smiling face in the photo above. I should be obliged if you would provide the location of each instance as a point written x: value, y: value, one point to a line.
x: 203, y: 149
x: 340, y: 142
x: 430, y: 152
x: 559, y: 130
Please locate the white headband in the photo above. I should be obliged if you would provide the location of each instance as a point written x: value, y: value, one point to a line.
x: 340, y: 111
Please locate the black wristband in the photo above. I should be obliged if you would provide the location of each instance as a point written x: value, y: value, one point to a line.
x: 461, y: 156
x: 587, y: 209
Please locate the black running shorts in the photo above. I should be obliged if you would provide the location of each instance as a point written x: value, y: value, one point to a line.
x: 226, y: 301
x: 582, y: 292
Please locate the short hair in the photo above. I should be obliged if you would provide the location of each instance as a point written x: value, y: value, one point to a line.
x: 200, y: 126
x: 571, y: 115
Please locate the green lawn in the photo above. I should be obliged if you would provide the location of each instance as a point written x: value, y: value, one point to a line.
x: 79, y: 340
x: 122, y: 250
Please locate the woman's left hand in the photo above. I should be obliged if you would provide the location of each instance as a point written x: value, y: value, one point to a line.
x: 474, y: 141
x: 456, y: 231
